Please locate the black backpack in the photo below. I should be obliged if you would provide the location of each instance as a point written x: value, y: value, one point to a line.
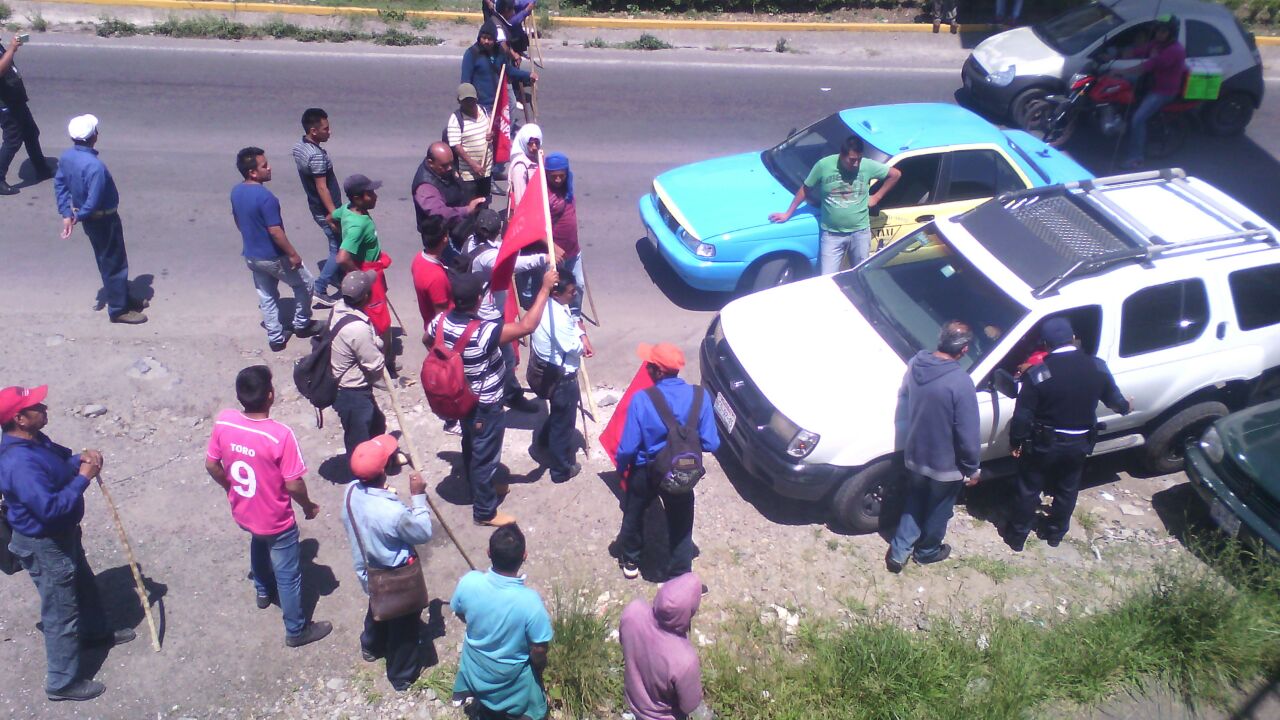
x: 678, y: 465
x: 313, y: 374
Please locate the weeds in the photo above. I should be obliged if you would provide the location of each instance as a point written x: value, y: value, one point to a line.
x: 38, y: 23
x: 584, y: 668
x: 997, y: 570
x: 392, y: 16
x: 203, y: 26
x: 114, y: 27
x: 646, y: 42
x: 595, y: 42
x: 6, y: 12
x: 1088, y: 520
x: 781, y: 46
x: 418, y: 23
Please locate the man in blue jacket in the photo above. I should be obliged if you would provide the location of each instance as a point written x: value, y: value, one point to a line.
x: 643, y: 435
x: 43, y: 485
x: 483, y: 61
x: 937, y: 426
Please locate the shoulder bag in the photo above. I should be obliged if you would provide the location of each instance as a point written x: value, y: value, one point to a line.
x: 393, y: 592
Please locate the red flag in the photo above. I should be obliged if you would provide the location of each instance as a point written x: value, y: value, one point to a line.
x: 500, y: 122
x: 527, y: 226
x: 612, y: 434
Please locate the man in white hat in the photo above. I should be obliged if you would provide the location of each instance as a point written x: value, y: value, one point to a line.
x: 87, y: 194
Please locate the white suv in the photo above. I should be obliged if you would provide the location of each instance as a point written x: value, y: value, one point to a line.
x: 1173, y: 283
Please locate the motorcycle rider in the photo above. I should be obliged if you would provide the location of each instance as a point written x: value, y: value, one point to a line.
x: 1165, y: 60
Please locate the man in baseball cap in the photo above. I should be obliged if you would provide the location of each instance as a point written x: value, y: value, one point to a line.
x: 643, y: 435
x: 43, y: 485
x: 360, y: 248
x: 384, y: 532
x: 469, y: 131
x: 356, y: 358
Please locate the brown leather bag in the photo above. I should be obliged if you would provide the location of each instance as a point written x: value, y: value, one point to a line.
x: 393, y: 592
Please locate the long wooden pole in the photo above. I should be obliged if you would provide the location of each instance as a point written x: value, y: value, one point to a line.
x: 133, y: 566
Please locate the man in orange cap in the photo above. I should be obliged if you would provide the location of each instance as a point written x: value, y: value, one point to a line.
x: 644, y: 436
x: 43, y: 487
x: 383, y: 532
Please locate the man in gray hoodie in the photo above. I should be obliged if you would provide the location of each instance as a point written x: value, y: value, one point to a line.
x: 937, y: 426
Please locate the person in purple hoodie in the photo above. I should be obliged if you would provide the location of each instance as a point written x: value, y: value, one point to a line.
x: 937, y: 427
x: 662, y: 679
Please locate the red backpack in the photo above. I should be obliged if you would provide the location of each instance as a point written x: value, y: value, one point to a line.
x: 443, y: 378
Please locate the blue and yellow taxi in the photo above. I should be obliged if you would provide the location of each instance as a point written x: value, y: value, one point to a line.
x: 710, y: 220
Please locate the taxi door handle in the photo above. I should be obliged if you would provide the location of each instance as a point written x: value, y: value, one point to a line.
x: 924, y: 218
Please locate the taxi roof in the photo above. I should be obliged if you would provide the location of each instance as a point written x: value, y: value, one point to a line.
x: 911, y: 126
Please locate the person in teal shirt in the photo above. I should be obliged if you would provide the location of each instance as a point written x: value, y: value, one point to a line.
x: 842, y: 184
x: 508, y: 634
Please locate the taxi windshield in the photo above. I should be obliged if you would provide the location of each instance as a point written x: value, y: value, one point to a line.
x: 791, y: 161
x: 909, y: 290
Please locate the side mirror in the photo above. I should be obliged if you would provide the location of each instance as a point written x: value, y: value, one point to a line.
x: 1004, y: 383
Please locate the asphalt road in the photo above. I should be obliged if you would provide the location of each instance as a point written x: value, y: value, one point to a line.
x: 174, y: 114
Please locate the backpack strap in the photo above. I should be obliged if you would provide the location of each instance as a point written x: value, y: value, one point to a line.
x: 343, y: 321
x: 465, y: 337
x: 355, y: 527
x: 695, y: 411
x: 664, y: 410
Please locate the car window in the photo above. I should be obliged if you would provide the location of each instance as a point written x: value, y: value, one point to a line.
x: 1085, y: 321
x: 1163, y: 316
x: 791, y: 160
x: 977, y: 174
x: 1256, y: 294
x: 1131, y: 37
x: 1078, y: 28
x: 1204, y: 40
x: 916, y: 186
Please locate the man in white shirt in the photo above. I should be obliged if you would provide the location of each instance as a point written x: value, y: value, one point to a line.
x: 558, y: 345
x: 469, y: 134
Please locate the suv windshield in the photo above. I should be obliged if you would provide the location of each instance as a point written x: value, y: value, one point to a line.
x: 1077, y: 29
x: 791, y: 161
x: 909, y: 290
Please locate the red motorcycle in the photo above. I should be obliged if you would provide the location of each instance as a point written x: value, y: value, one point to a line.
x: 1106, y: 101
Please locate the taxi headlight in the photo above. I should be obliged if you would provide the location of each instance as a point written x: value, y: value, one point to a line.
x: 699, y: 248
x: 1003, y: 77
x: 1211, y: 444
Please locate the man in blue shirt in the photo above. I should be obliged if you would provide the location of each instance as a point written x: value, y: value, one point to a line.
x: 383, y: 533
x: 508, y: 634
x: 87, y: 194
x: 43, y: 486
x: 268, y: 252
x: 643, y: 435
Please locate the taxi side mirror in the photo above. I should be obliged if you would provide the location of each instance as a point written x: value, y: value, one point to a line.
x: 1004, y: 383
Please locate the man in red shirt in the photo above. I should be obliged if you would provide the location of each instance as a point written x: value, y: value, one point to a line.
x: 1166, y: 60
x: 430, y: 280
x: 257, y: 462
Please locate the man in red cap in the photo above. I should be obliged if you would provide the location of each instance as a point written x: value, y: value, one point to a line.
x: 43, y: 487
x: 383, y: 532
x: 643, y: 436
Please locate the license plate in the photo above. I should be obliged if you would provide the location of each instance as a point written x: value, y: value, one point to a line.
x: 725, y: 413
x: 1224, y: 518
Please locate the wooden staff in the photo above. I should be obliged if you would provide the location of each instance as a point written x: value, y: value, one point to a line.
x: 535, y: 39
x: 133, y: 565
x: 591, y: 299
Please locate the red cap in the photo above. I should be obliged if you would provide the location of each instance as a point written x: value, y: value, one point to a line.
x: 369, y: 459
x: 664, y: 355
x: 14, y: 400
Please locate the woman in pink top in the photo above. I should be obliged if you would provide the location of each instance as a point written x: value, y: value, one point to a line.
x: 662, y: 679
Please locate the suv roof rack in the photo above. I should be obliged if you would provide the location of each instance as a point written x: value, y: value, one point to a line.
x: 1049, y: 236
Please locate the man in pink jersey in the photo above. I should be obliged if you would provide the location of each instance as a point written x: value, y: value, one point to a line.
x: 256, y: 460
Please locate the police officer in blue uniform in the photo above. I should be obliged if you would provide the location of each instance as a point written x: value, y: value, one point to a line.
x: 1052, y: 431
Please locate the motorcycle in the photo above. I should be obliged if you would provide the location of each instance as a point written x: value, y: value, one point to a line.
x: 1106, y: 101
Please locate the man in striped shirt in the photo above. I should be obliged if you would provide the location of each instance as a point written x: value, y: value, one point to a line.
x: 468, y: 133
x: 484, y: 428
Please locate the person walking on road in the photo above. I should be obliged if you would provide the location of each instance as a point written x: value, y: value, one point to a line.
x: 661, y: 676
x: 524, y: 160
x: 439, y: 192
x: 484, y: 428
x: 430, y: 278
x: 482, y: 63
x: 644, y: 434
x: 1052, y: 431
x: 937, y: 425
x: 508, y: 634
x: 469, y: 133
x: 16, y: 121
x: 43, y: 486
x: 361, y: 249
x: 320, y: 184
x: 267, y: 250
x: 357, y: 359
x: 87, y: 194
x: 258, y: 464
x: 558, y: 346
x: 383, y: 533
x: 841, y: 187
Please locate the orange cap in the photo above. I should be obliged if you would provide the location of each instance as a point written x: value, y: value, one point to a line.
x: 369, y: 459
x: 664, y: 355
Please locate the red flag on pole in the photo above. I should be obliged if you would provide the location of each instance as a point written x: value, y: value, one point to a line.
x: 612, y: 434
x: 500, y: 121
x: 527, y: 226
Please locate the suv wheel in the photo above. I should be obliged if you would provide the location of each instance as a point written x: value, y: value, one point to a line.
x: 1162, y: 453
x: 775, y: 272
x: 858, y: 503
x: 1229, y: 114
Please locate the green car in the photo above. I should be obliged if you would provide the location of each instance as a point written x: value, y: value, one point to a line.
x: 1235, y: 467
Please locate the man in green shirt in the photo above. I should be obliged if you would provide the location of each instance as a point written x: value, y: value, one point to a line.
x: 841, y: 183
x: 360, y: 249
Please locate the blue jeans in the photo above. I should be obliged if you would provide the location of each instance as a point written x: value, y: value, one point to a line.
x: 833, y: 247
x: 70, y: 608
x: 924, y: 520
x: 361, y: 418
x: 1149, y: 106
x: 557, y: 433
x: 106, y: 235
x: 267, y: 275
x: 274, y: 563
x: 482, y: 434
x: 330, y: 273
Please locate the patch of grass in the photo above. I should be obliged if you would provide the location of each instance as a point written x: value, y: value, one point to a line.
x: 1088, y: 520
x: 546, y: 24
x: 6, y: 12
x: 333, y: 35
x: 595, y: 42
x: 418, y: 23
x: 392, y: 16
x: 583, y: 674
x: 438, y: 679
x: 37, y: 22
x: 997, y: 570
x: 781, y: 46
x: 646, y: 42
x: 395, y: 38
x: 833, y: 544
x: 114, y: 27
x: 203, y: 26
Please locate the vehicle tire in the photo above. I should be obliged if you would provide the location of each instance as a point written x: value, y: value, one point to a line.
x: 1018, y: 108
x: 1229, y: 114
x: 1166, y: 134
x: 858, y: 502
x: 1162, y: 453
x: 1039, y: 123
x: 775, y: 272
